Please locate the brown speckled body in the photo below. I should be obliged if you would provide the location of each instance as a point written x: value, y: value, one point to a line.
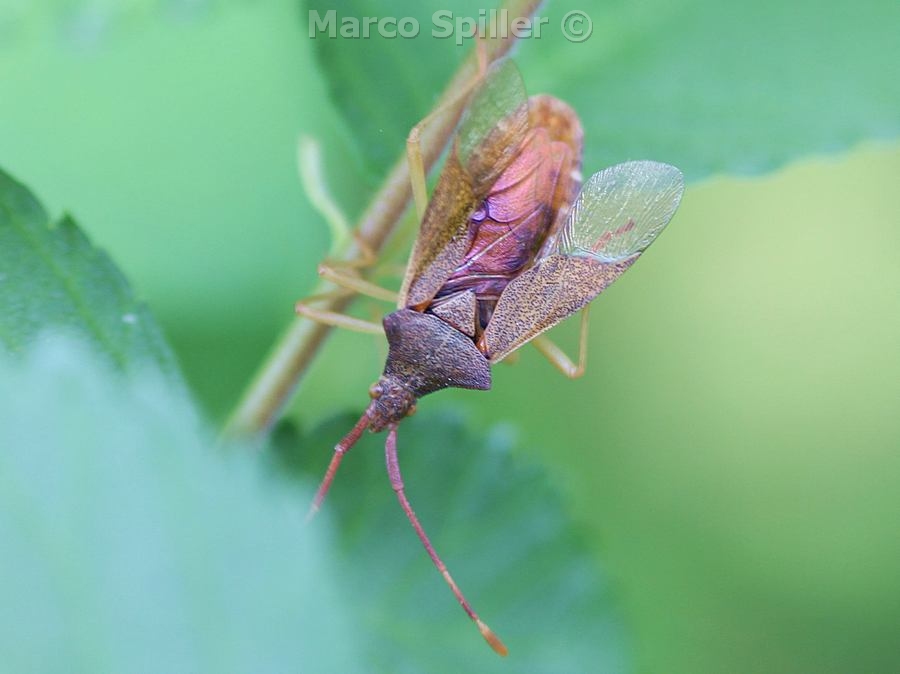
x: 485, y: 224
x: 426, y: 354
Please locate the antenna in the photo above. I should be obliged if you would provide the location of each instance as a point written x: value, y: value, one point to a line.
x: 340, y: 449
x: 393, y: 469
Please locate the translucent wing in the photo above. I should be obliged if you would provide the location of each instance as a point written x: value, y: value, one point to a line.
x: 617, y: 215
x: 621, y: 210
x: 487, y: 140
x: 493, y: 124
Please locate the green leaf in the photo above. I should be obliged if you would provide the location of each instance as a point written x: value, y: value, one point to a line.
x: 710, y: 87
x: 502, y: 532
x: 128, y: 545
x: 384, y: 86
x: 52, y: 280
x: 716, y: 87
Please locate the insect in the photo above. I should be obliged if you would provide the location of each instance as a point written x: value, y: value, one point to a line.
x: 508, y: 247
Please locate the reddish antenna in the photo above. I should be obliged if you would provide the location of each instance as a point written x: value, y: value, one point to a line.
x: 340, y: 449
x: 393, y: 469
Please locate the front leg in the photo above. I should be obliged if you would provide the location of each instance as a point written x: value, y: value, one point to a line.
x: 332, y: 318
x: 414, y: 158
x: 349, y: 279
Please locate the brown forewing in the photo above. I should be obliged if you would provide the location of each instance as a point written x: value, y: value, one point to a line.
x: 448, y: 230
x: 444, y: 237
x: 555, y: 288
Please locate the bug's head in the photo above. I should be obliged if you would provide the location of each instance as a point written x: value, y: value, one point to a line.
x: 391, y: 402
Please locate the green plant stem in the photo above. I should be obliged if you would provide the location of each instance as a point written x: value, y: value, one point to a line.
x: 281, y: 372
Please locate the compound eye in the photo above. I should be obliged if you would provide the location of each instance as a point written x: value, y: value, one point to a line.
x: 375, y: 391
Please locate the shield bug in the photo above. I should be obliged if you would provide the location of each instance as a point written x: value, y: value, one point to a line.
x: 508, y: 247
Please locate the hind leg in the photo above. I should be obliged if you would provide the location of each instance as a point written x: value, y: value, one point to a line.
x: 558, y: 357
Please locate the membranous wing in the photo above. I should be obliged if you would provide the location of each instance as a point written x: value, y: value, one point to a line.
x: 489, y: 136
x: 524, y: 203
x: 617, y: 215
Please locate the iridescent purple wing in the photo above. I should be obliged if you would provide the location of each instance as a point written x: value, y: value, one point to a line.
x: 488, y: 138
x: 618, y: 213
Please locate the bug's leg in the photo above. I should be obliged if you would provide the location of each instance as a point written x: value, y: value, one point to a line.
x: 392, y: 270
x: 414, y: 158
x: 393, y: 469
x: 334, y: 319
x: 349, y: 283
x: 340, y: 272
x: 304, y: 308
x: 558, y: 357
x: 309, y: 160
x: 349, y: 279
x: 312, y: 179
x: 367, y: 256
x: 337, y: 293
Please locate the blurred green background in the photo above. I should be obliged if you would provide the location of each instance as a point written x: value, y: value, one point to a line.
x: 733, y: 449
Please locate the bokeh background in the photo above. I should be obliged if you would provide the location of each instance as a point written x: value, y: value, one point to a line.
x: 733, y: 451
